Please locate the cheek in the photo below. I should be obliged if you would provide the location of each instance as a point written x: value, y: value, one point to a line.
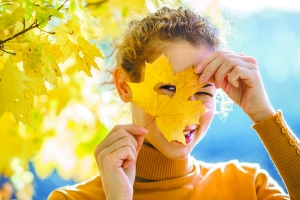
x: 207, y: 117
x: 139, y: 116
x: 210, y: 104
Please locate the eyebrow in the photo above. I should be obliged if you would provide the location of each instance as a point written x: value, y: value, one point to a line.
x: 208, y: 85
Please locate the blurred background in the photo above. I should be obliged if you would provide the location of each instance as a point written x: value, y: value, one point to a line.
x: 73, y: 119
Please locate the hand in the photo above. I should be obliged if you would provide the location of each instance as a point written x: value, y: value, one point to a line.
x: 238, y: 75
x: 116, y: 159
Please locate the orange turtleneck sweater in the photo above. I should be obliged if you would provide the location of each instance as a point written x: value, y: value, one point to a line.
x: 191, y: 179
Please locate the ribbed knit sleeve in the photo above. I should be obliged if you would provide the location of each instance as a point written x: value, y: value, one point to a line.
x: 284, y: 149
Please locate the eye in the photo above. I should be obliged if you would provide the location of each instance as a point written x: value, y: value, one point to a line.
x: 204, y: 93
x: 170, y: 88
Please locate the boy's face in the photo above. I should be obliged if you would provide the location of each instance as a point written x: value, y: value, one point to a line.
x: 181, y: 56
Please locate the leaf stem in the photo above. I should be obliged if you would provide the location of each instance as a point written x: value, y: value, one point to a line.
x: 52, y: 33
x: 96, y: 3
x: 150, y: 122
x: 7, y: 52
x: 62, y: 4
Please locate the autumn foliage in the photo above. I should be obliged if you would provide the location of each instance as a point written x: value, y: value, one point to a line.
x: 32, y: 49
x: 49, y: 105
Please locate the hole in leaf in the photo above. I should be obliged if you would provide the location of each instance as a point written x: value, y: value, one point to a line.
x: 165, y: 89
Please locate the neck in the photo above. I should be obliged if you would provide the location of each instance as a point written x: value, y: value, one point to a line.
x: 152, y: 165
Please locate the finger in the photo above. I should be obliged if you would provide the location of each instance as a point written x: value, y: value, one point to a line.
x: 131, y: 128
x: 124, y: 143
x: 207, y: 60
x: 140, y: 141
x: 137, y: 140
x: 117, y: 158
x: 199, y: 68
x: 243, y: 74
x: 229, y: 60
x: 226, y: 68
x: 119, y: 139
x: 119, y: 134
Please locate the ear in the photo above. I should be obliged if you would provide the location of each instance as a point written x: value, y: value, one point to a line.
x: 120, y: 78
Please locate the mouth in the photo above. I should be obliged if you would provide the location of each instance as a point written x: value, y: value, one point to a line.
x: 189, y: 134
x: 185, y: 133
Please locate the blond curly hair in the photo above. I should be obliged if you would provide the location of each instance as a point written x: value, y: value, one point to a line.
x: 145, y: 39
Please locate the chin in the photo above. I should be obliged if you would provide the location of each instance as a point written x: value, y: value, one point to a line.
x: 178, y: 156
x: 177, y: 151
x: 174, y: 150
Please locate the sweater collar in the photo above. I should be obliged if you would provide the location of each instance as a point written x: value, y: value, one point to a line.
x: 152, y: 165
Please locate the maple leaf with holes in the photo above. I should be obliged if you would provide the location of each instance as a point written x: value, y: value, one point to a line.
x: 172, y: 114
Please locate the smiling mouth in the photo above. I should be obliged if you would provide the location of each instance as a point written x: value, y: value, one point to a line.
x: 188, y: 131
x: 185, y: 133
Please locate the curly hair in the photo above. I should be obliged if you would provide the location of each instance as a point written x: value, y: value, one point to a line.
x: 147, y: 38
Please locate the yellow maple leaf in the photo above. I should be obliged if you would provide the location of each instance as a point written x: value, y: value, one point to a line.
x: 172, y: 114
x: 71, y: 39
x: 13, y: 93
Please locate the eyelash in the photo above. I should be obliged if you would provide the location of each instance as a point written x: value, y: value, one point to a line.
x: 168, y: 87
x: 199, y: 93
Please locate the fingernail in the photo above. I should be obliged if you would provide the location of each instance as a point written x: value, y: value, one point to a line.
x: 198, y: 69
x: 217, y: 85
x: 201, y: 79
x: 144, y: 130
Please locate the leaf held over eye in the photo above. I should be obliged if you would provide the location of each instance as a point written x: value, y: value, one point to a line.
x: 172, y: 114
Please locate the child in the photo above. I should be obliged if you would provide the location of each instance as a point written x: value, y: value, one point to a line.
x: 136, y: 161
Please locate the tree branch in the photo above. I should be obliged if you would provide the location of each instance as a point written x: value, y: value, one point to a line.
x: 32, y: 26
x: 7, y: 52
x: 52, y: 33
x: 62, y: 4
x: 96, y: 3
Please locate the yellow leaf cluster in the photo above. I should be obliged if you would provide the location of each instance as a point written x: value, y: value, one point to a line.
x: 172, y: 114
x: 114, y: 15
x: 69, y: 40
x: 71, y: 114
x: 33, y: 57
x: 30, y: 56
x: 14, y: 94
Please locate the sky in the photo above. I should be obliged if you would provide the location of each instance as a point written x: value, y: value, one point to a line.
x: 288, y: 5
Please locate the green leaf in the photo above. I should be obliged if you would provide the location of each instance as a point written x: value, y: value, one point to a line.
x: 43, y: 15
